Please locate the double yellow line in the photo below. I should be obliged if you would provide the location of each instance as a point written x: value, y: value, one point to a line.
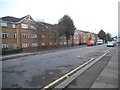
x: 67, y: 75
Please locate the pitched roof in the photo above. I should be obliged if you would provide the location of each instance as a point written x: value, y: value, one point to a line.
x: 13, y: 19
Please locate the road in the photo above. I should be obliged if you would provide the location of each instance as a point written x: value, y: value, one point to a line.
x: 39, y: 70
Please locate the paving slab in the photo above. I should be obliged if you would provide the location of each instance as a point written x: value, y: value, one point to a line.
x: 109, y: 76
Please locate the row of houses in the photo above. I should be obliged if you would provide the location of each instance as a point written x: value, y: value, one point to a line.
x: 30, y: 35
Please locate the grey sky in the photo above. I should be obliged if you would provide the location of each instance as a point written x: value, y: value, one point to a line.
x: 88, y: 15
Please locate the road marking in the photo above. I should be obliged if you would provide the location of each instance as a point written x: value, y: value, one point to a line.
x: 67, y: 75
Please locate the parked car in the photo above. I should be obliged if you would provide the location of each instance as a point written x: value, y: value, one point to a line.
x: 111, y: 44
x: 90, y: 43
x: 99, y: 42
x: 95, y: 42
x: 115, y: 43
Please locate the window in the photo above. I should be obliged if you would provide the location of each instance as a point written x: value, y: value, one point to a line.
x: 43, y: 30
x: 75, y: 38
x: 77, y: 42
x: 70, y: 42
x: 65, y: 43
x: 43, y: 43
x: 50, y: 43
x: 33, y: 35
x: 14, y: 35
x: 55, y: 43
x: 24, y: 25
x: 33, y: 27
x: 34, y: 44
x: 61, y: 43
x: 25, y: 35
x: 13, y: 26
x: 43, y: 36
x: 75, y: 33
x: 3, y: 24
x: 4, y: 45
x: 4, y: 35
x: 14, y: 45
x: 24, y: 45
x: 64, y: 37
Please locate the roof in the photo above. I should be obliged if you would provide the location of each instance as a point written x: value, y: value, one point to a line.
x: 46, y: 25
x: 14, y: 19
x: 11, y: 19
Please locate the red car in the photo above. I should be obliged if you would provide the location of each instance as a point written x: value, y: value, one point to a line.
x: 90, y: 43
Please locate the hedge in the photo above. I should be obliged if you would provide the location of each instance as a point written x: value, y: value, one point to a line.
x: 11, y: 51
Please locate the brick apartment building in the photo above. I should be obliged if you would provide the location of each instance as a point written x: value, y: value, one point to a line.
x: 30, y: 35
x: 81, y: 37
x: 19, y: 32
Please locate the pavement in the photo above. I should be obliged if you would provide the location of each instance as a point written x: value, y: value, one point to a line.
x: 102, y: 73
x: 108, y: 78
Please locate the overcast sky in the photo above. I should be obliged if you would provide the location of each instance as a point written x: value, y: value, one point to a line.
x: 88, y: 15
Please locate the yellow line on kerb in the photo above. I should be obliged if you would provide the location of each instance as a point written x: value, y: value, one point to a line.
x: 66, y: 75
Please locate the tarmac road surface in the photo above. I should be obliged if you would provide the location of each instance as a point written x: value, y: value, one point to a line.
x: 36, y: 71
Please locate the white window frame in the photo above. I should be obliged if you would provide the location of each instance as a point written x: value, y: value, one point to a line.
x: 4, y: 35
x: 34, y: 44
x: 77, y: 42
x: 43, y: 44
x: 13, y: 26
x: 25, y: 45
x: 33, y: 27
x: 4, y: 24
x: 75, y: 38
x: 50, y: 43
x: 25, y: 26
x: 43, y: 36
x: 65, y: 43
x: 64, y: 37
x: 4, y: 45
x: 33, y: 35
x: 61, y: 43
x: 75, y: 33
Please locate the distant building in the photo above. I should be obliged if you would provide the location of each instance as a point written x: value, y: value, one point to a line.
x: 83, y: 36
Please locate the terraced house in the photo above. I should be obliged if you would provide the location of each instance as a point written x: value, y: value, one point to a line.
x: 27, y: 34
